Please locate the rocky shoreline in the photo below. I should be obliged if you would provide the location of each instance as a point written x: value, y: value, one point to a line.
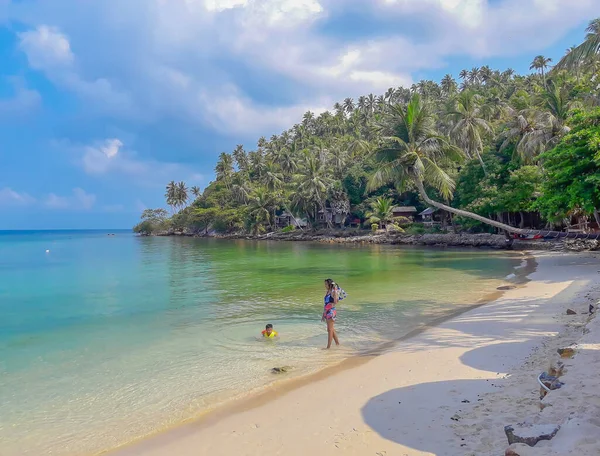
x: 485, y: 240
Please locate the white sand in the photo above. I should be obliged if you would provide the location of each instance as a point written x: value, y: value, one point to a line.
x: 403, y: 402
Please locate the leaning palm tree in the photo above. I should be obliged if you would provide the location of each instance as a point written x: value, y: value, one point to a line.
x: 381, y: 211
x: 470, y: 127
x: 413, y: 151
x: 586, y: 51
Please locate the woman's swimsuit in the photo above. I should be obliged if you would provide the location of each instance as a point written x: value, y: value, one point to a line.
x: 329, y: 311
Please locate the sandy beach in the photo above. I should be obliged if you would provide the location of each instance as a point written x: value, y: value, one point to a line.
x: 447, y: 391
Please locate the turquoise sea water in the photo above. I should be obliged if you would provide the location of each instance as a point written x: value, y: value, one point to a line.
x: 105, y: 339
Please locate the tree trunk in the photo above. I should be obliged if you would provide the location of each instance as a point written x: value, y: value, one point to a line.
x: 522, y: 223
x: 597, y: 217
x: 461, y: 213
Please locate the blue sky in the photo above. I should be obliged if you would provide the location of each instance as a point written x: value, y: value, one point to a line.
x: 103, y: 102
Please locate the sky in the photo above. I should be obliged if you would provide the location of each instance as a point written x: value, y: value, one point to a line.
x: 102, y: 102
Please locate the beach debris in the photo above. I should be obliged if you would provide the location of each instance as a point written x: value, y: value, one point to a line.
x: 455, y: 418
x: 566, y: 352
x: 465, y: 401
x: 591, y: 308
x: 548, y: 383
x: 518, y: 449
x: 506, y: 287
x: 530, y: 434
x: 571, y: 312
x: 281, y: 370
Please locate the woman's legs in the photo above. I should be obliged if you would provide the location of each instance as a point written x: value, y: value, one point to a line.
x: 331, y: 334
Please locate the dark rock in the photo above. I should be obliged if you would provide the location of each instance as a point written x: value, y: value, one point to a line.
x: 571, y: 312
x: 281, y: 370
x: 506, y: 287
x: 530, y: 435
x: 591, y: 309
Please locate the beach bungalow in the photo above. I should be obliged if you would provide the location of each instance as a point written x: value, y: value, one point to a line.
x: 432, y: 216
x: 329, y: 216
x: 404, y: 211
x: 287, y: 219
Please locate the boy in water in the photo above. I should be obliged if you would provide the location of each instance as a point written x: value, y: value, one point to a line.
x: 268, y: 332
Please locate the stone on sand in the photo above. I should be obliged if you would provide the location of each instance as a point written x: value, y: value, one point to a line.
x: 530, y: 434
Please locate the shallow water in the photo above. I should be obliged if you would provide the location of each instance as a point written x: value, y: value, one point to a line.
x: 105, y: 339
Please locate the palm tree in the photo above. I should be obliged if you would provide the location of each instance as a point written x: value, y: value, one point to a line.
x: 171, y: 196
x: 469, y: 125
x: 541, y: 63
x: 586, y: 51
x: 260, y: 206
x: 195, y: 191
x: 464, y: 75
x: 528, y: 130
x: 312, y: 184
x: 448, y: 85
x: 381, y: 211
x: 413, y: 151
x: 181, y: 194
x: 474, y: 76
x: 348, y: 105
x: 241, y: 158
x: 224, y: 168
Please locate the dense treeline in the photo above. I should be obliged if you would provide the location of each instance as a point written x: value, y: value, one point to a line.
x: 493, y: 147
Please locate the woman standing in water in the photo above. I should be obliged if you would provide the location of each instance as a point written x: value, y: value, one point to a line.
x: 329, y: 312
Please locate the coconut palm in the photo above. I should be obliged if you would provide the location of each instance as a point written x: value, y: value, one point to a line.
x: 171, y: 195
x: 312, y: 184
x: 241, y: 158
x: 586, y: 51
x: 449, y: 85
x: 348, y: 105
x: 464, y: 75
x: 224, y: 168
x: 261, y: 206
x: 470, y: 127
x: 181, y: 194
x: 541, y: 63
x: 413, y: 151
x: 381, y: 211
x: 529, y: 131
x: 195, y: 191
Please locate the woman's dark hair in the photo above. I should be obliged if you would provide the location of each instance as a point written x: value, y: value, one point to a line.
x: 330, y: 284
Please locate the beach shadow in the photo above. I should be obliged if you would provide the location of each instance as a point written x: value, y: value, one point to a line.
x: 414, y: 416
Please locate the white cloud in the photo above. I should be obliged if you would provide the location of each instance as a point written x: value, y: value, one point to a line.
x: 46, y: 47
x: 49, y: 50
x: 10, y: 197
x: 187, y: 59
x: 99, y: 159
x: 23, y: 101
x: 230, y: 111
x: 112, y: 159
x: 79, y: 200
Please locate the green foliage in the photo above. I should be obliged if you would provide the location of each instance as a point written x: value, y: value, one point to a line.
x: 288, y: 229
x: 153, y: 221
x: 572, y: 169
x: 490, y: 145
x: 415, y: 229
x: 374, y: 227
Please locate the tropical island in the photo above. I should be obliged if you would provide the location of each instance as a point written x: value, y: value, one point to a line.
x: 492, y: 152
